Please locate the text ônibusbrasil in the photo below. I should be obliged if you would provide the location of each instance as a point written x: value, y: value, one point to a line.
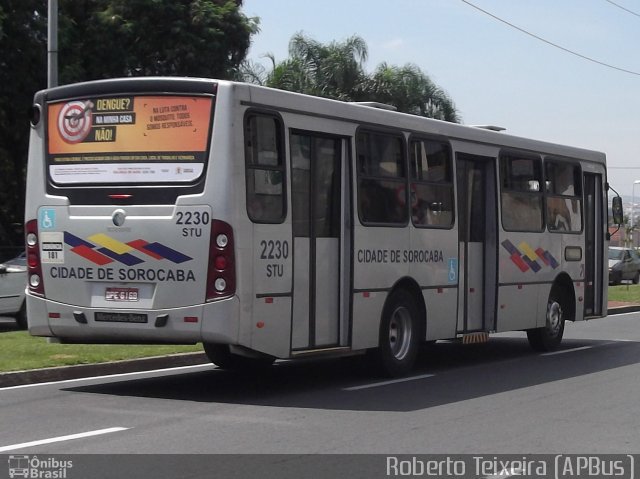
x: 123, y: 274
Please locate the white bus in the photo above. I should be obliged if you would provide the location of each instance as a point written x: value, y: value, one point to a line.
x: 268, y: 224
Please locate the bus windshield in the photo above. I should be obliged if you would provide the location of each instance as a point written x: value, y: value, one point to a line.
x: 128, y: 139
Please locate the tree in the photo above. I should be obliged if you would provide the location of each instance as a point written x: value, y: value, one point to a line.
x: 337, y: 71
x: 333, y: 71
x: 410, y: 91
x: 108, y: 38
x: 23, y: 70
x: 104, y: 39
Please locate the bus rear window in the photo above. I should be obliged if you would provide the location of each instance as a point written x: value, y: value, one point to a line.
x: 130, y: 140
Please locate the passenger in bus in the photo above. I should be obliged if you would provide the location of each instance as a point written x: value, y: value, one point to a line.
x: 430, y: 213
x: 563, y: 213
x: 521, y: 212
x: 558, y: 213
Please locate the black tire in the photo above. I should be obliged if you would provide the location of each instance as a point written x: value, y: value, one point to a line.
x: 636, y: 278
x: 616, y: 279
x: 21, y: 317
x: 548, y: 337
x: 221, y: 356
x: 399, y: 336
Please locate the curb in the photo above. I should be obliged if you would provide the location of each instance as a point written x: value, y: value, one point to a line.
x: 623, y: 309
x: 19, y: 378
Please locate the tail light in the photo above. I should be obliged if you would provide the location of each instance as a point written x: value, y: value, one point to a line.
x: 35, y: 280
x: 221, y: 277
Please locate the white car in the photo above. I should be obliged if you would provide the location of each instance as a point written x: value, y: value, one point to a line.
x: 13, y: 282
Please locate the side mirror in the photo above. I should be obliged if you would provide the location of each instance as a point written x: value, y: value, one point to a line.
x: 616, y: 209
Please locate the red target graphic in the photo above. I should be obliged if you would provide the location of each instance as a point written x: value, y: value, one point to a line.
x: 74, y: 121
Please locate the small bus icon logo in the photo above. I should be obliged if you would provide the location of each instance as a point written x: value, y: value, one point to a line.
x: 18, y: 466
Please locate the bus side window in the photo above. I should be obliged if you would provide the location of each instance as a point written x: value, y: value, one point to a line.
x: 520, y: 193
x: 564, y: 196
x: 264, y: 169
x: 382, y: 179
x: 431, y: 184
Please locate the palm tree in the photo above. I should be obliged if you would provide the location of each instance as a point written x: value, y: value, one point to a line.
x: 410, y: 91
x: 337, y: 71
x: 333, y: 71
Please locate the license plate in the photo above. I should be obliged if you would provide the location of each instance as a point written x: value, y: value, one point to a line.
x: 121, y: 294
x: 121, y: 317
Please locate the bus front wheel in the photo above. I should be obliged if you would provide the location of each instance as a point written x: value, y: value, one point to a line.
x: 221, y: 356
x: 399, y: 336
x: 548, y: 337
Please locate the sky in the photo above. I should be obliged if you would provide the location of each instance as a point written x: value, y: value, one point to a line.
x: 495, y: 73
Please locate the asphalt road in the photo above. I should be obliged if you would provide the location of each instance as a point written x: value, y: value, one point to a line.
x: 494, y: 398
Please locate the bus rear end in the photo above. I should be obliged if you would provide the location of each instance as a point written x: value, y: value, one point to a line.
x: 123, y: 242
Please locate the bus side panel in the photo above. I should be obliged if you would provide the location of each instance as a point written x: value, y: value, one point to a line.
x: 271, y: 326
x: 528, y: 265
x: 433, y: 259
x: 272, y: 259
x: 378, y: 265
x: 576, y: 269
x: 579, y: 289
x: 519, y: 306
x: 441, y: 312
x: 367, y: 312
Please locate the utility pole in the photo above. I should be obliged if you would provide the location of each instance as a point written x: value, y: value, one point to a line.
x: 52, y: 42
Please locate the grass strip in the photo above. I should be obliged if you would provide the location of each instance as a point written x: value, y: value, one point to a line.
x: 20, y: 351
x: 628, y: 293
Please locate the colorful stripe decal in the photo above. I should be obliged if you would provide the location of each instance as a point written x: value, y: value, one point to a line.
x: 140, y: 245
x: 526, y: 258
x: 110, y: 243
x: 74, y: 241
x: 105, y: 250
x: 92, y: 255
x: 126, y: 258
x: 168, y: 253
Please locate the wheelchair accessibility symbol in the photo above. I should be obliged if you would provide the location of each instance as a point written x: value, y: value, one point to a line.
x: 453, y: 270
x: 47, y: 219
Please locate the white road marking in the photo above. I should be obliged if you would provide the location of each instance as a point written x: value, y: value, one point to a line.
x: 109, y: 376
x: 608, y: 343
x: 564, y: 351
x: 62, y: 438
x: 384, y: 383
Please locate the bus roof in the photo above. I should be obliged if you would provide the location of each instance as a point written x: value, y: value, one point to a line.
x: 292, y: 102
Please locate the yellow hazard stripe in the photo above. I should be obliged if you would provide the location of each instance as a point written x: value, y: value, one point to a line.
x: 109, y: 243
x: 475, y: 338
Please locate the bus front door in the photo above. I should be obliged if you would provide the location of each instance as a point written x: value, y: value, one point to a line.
x: 316, y: 199
x: 477, y: 233
x: 593, y: 231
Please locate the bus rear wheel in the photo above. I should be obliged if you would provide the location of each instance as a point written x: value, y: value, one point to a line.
x: 399, y: 336
x: 221, y: 356
x: 548, y: 337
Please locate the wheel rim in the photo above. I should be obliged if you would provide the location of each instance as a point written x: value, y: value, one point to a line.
x: 554, y: 317
x: 400, y: 333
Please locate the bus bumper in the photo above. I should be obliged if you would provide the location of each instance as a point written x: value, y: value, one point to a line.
x: 212, y: 322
